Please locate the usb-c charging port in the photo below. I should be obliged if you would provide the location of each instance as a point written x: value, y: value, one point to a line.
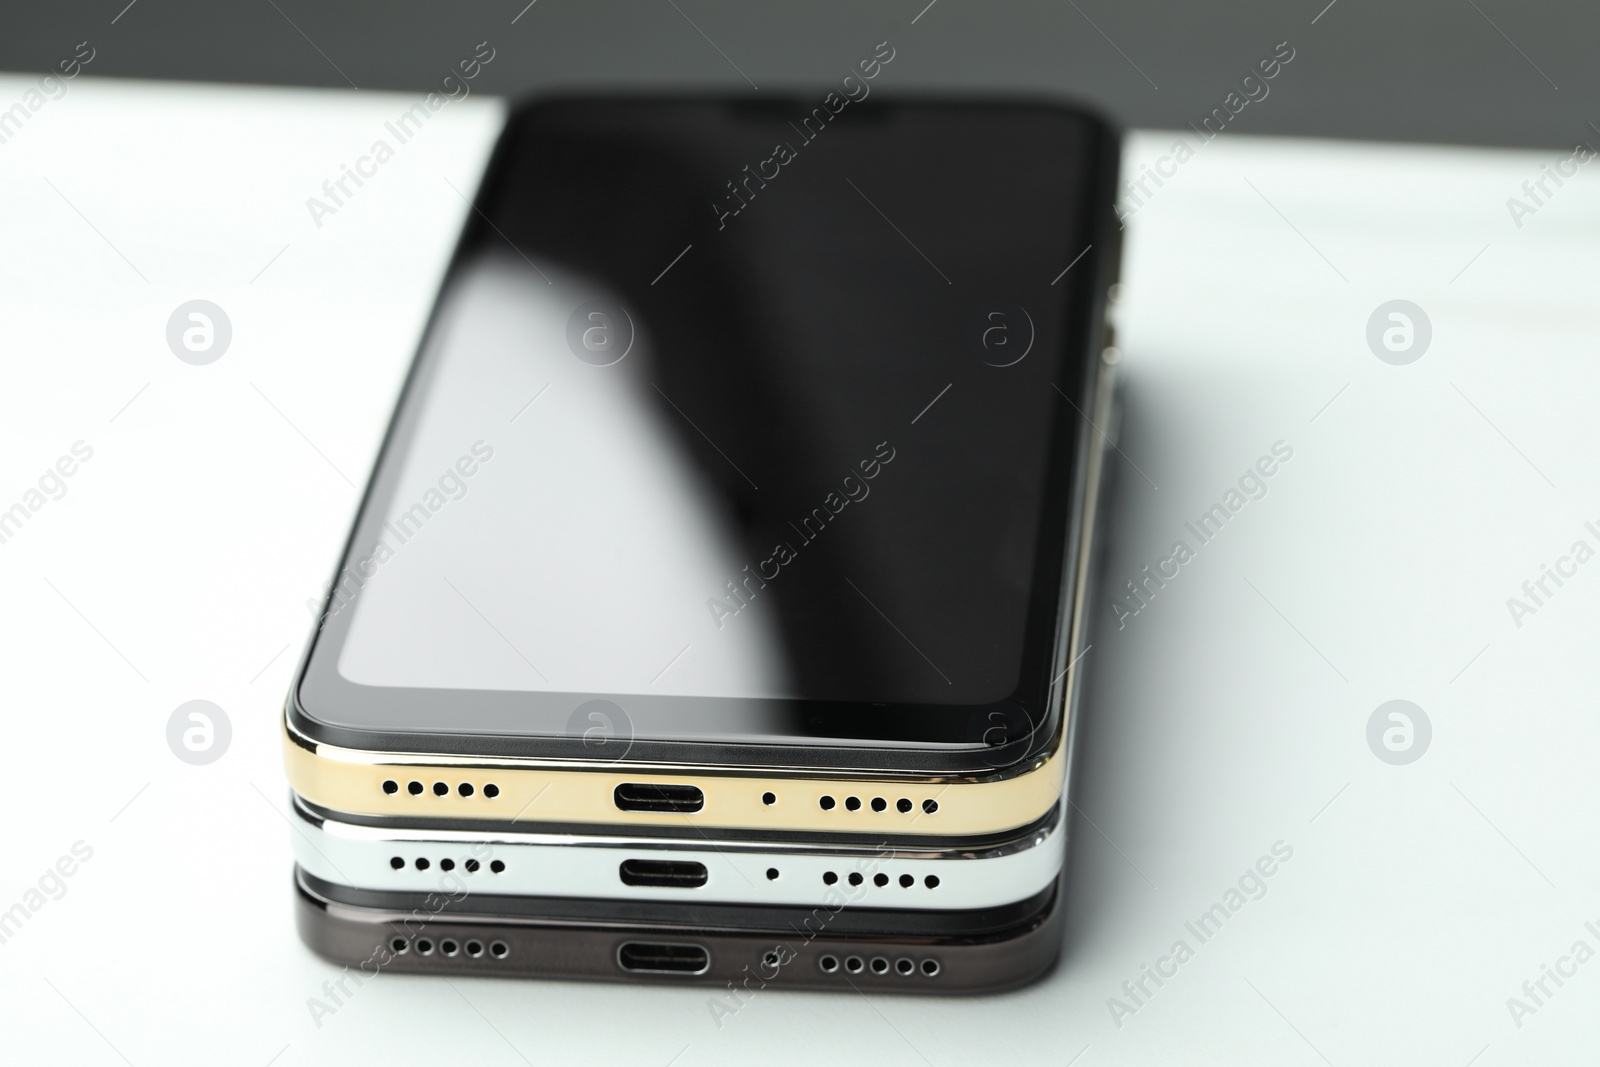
x: 648, y: 796
x: 672, y: 874
x: 644, y: 957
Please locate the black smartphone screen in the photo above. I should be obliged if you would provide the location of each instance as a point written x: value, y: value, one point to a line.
x: 738, y: 423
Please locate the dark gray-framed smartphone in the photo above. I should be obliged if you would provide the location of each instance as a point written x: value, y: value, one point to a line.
x: 423, y: 937
x: 743, y: 434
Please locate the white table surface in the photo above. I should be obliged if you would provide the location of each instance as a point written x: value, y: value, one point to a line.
x: 1228, y: 715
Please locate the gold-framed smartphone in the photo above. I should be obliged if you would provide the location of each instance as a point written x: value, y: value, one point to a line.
x: 753, y: 517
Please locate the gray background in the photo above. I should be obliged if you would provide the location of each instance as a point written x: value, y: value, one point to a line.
x: 1422, y: 70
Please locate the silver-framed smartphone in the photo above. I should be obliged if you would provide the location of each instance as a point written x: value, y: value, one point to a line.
x: 696, y: 869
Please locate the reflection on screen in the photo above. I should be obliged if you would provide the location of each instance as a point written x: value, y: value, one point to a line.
x: 579, y: 552
x: 812, y: 451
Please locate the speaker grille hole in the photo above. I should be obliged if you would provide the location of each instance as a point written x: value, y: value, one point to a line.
x: 414, y: 788
x: 391, y: 786
x: 447, y: 865
x: 827, y: 803
x: 853, y: 964
x: 499, y: 950
x: 769, y: 799
x: 424, y: 946
x: 905, y: 966
x: 880, y: 880
x: 902, y: 805
x: 906, y: 881
x: 855, y: 877
x: 474, y: 949
x: 422, y: 863
x: 880, y: 965
x: 449, y: 947
x: 491, y: 790
x: 497, y: 866
x: 852, y: 803
x: 396, y: 862
x: 465, y: 789
x: 932, y: 881
x: 829, y: 964
x: 472, y: 866
x: 399, y: 947
x: 772, y: 874
x: 930, y: 967
x: 878, y: 803
x: 828, y: 878
x: 930, y: 806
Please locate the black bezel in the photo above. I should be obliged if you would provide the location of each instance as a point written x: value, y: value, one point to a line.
x: 1039, y: 698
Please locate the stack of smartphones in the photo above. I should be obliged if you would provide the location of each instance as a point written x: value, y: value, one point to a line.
x: 714, y: 611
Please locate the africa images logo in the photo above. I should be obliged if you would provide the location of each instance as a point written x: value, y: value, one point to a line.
x: 811, y: 126
x: 855, y: 489
x: 1138, y: 593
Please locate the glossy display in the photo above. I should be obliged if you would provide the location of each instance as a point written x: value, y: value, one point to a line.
x: 739, y: 423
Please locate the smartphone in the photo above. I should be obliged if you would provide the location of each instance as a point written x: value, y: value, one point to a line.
x: 745, y: 479
x: 673, y: 872
x: 420, y: 937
